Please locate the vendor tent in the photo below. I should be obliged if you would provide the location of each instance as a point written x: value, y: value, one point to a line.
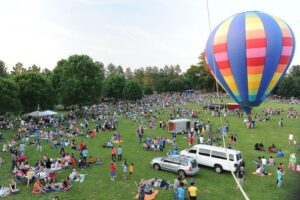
x: 36, y: 114
x: 49, y: 112
x: 180, y: 125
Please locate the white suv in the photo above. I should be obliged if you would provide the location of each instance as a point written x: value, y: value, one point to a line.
x: 219, y: 158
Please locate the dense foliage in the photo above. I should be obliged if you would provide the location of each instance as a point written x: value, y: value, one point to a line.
x: 79, y: 80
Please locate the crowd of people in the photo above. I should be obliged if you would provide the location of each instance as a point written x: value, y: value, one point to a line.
x: 62, y: 131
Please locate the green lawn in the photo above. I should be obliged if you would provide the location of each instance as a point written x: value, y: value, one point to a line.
x: 97, y: 184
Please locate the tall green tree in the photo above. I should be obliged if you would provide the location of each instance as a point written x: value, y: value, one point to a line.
x: 176, y: 85
x: 34, y: 68
x: 133, y: 90
x: 9, y: 96
x: 114, y: 85
x: 3, y: 69
x: 78, y: 80
x: 18, y: 69
x: 200, y: 77
x: 35, y: 90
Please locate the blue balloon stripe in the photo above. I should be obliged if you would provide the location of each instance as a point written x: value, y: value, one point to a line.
x: 237, y: 55
x: 273, y: 53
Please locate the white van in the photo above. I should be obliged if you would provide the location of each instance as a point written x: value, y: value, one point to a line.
x: 219, y: 158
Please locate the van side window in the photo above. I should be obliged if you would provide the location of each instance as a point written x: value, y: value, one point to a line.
x: 204, y: 152
x: 220, y: 155
x: 231, y: 157
x: 193, y: 151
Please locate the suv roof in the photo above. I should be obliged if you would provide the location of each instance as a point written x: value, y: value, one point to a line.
x: 182, y: 157
x: 214, y: 148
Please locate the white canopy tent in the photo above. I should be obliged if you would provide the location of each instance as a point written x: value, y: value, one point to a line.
x: 49, y: 112
x: 36, y: 114
x: 42, y: 113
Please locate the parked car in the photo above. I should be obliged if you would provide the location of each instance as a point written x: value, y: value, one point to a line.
x: 219, y: 158
x: 182, y: 165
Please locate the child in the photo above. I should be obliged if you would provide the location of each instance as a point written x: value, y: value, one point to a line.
x: 131, y: 170
x: 112, y: 171
x: 124, y: 169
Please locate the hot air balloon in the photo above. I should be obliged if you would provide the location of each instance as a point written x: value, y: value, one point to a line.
x: 248, y: 55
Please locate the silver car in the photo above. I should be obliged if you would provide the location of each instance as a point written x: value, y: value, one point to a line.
x: 182, y: 165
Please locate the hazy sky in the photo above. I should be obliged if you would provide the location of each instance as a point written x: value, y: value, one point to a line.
x: 131, y: 33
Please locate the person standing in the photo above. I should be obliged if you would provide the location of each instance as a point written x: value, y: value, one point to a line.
x: 291, y: 138
x: 124, y: 169
x: 279, y: 177
x: 192, y: 191
x: 141, y: 190
x: 112, y: 171
x: 241, y: 176
x: 62, y: 146
x: 84, y: 154
x: 280, y: 123
x: 181, y: 192
x: 176, y: 185
x: 131, y: 170
x: 13, y: 160
x: 22, y: 149
x: 119, y: 152
x: 113, y: 154
x: 39, y: 146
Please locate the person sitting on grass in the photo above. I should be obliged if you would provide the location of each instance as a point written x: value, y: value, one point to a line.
x: 13, y: 187
x: 38, y: 188
x: 98, y: 161
x: 4, y: 191
x: 272, y: 149
x: 280, y: 153
x: 271, y: 161
x: 74, y: 175
x: 109, y: 144
x: 91, y: 160
x: 261, y: 171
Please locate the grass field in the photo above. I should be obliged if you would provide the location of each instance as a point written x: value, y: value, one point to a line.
x: 97, y: 184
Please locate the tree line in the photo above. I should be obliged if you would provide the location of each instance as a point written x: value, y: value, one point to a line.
x: 79, y: 80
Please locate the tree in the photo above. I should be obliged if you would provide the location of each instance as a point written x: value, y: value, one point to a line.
x: 111, y: 68
x: 120, y: 69
x: 35, y: 89
x: 200, y: 77
x: 176, y: 85
x: 78, y: 80
x: 290, y: 85
x: 9, y: 96
x: 133, y: 90
x: 128, y: 73
x: 3, y: 69
x: 114, y: 85
x: 34, y: 68
x: 162, y: 85
x: 18, y: 69
x: 148, y: 90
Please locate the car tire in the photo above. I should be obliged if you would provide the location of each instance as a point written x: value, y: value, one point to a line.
x: 156, y: 166
x: 181, y: 173
x: 218, y: 169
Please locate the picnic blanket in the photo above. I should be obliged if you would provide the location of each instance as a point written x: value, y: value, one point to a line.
x: 149, y: 196
x: 81, y: 179
x: 117, y: 142
x: 254, y: 173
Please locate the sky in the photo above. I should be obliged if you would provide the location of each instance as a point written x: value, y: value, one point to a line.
x: 130, y: 33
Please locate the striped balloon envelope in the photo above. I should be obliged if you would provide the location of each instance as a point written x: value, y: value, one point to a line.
x: 248, y: 54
